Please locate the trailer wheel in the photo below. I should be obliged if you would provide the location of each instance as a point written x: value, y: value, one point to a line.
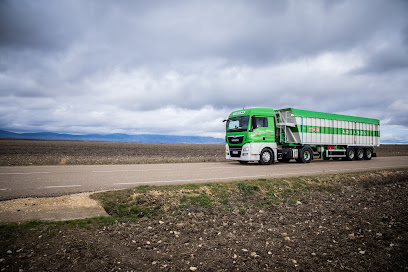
x: 368, y: 154
x: 306, y: 155
x: 350, y: 154
x: 359, y: 154
x: 266, y: 157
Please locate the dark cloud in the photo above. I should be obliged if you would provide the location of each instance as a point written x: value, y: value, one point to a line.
x: 100, y: 65
x: 383, y: 62
x: 41, y: 25
x: 390, y: 54
x: 143, y: 32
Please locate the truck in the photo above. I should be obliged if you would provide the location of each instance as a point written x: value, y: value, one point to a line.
x: 266, y: 136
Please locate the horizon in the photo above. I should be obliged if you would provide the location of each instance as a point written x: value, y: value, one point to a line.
x: 181, y: 136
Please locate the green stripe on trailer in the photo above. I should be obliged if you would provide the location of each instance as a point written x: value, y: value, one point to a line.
x: 333, y: 130
x: 331, y: 116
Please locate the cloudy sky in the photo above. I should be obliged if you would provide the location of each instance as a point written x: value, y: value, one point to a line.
x: 179, y: 67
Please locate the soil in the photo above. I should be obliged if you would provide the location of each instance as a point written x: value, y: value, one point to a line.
x: 38, y: 152
x: 76, y: 206
x: 361, y: 226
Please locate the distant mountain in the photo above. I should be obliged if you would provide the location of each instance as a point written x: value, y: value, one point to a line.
x: 393, y: 142
x: 117, y: 137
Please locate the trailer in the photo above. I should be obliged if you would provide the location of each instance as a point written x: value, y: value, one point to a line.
x: 267, y: 136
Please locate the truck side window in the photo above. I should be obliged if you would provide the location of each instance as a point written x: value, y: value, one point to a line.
x: 259, y: 122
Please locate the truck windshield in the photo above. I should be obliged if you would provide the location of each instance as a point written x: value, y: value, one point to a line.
x: 239, y: 123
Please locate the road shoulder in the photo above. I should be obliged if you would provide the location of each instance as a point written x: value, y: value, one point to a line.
x: 68, y: 207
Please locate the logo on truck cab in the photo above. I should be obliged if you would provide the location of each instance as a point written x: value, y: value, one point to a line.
x: 238, y: 113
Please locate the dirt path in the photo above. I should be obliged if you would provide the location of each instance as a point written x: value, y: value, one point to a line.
x: 77, y: 206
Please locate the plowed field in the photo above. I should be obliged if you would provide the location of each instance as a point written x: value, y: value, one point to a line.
x: 35, y: 152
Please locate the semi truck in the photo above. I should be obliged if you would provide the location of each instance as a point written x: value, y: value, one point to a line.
x: 266, y: 136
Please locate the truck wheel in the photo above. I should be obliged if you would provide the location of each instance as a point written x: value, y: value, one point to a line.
x: 359, y: 154
x: 368, y: 154
x: 350, y: 154
x: 266, y: 156
x: 305, y: 155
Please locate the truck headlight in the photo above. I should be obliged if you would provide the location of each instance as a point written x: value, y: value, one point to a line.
x: 245, y: 149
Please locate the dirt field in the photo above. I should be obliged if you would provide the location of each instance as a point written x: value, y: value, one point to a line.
x: 35, y: 152
x: 353, y: 222
x: 27, y: 152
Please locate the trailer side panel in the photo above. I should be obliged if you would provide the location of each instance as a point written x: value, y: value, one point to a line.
x: 316, y: 128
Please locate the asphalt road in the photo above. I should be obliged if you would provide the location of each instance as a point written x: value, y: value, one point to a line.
x: 40, y: 181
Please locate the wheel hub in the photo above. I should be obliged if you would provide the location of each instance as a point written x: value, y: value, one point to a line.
x: 266, y: 157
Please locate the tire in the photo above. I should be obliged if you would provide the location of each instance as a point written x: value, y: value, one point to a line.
x: 243, y: 162
x: 350, y: 154
x: 336, y: 159
x: 368, y: 154
x: 266, y: 157
x: 359, y: 154
x: 305, y: 155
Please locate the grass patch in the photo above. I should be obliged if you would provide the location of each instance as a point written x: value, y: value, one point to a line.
x: 150, y: 201
x: 201, y: 200
x: 249, y: 189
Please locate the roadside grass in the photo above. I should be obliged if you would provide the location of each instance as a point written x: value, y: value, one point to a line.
x: 239, y: 196
x: 130, y: 205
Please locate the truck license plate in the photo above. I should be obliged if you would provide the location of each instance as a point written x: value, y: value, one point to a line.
x: 234, y: 152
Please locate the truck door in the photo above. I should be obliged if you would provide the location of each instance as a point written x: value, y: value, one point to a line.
x: 263, y: 129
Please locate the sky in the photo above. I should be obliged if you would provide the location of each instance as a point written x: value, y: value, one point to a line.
x: 180, y: 67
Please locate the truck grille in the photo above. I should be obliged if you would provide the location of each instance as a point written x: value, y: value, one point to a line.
x: 236, y: 139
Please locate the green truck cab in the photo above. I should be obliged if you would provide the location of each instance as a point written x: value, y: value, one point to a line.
x: 248, y: 132
x: 267, y: 135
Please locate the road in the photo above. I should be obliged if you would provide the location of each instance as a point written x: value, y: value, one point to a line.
x: 42, y: 181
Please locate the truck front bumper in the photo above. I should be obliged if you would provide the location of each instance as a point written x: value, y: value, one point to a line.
x: 239, y: 153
